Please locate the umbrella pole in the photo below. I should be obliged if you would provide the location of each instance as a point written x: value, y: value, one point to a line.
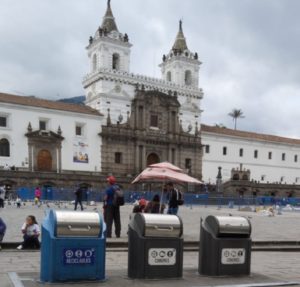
x: 161, y: 197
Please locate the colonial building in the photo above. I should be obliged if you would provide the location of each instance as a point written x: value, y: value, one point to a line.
x: 152, y: 133
x: 268, y: 158
x: 110, y: 85
x: 130, y: 121
x: 39, y: 135
x: 148, y: 120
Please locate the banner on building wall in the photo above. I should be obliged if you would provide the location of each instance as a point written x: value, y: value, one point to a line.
x: 80, y: 151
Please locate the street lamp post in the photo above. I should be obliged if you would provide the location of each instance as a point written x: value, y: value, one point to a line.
x: 219, y: 186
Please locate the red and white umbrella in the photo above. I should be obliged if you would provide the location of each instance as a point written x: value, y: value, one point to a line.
x: 163, y: 172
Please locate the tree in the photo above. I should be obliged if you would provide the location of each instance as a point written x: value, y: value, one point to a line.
x: 220, y: 125
x: 236, y: 114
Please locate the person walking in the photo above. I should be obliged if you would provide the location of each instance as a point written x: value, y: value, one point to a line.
x: 2, y: 231
x: 173, y: 197
x: 18, y: 202
x: 78, y: 198
x: 37, y: 195
x: 112, y: 208
x: 31, y: 233
x: 2, y: 196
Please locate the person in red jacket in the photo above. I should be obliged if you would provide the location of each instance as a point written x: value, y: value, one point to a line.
x: 111, y: 210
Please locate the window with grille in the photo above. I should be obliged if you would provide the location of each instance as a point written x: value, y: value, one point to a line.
x: 3, y: 121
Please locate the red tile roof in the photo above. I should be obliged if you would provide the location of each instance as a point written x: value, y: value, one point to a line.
x: 249, y: 135
x: 47, y: 104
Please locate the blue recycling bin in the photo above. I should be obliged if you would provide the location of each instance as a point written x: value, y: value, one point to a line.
x: 73, y: 247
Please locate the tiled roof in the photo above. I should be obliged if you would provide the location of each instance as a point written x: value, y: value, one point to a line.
x: 47, y: 104
x: 248, y: 135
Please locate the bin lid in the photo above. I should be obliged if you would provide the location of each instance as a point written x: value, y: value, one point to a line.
x: 157, y: 225
x: 228, y: 225
x: 77, y: 224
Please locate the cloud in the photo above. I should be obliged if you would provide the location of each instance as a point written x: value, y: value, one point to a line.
x: 249, y: 49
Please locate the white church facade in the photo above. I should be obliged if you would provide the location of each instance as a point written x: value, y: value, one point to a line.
x: 107, y: 132
x: 111, y: 87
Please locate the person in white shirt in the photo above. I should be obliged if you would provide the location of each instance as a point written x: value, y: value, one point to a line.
x: 31, y: 231
x: 18, y: 202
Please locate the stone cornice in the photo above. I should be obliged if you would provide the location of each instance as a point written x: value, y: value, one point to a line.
x: 114, y: 41
x: 180, y: 58
x: 148, y: 82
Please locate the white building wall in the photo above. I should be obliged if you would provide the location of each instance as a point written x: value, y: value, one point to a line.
x: 110, y: 95
x: 262, y: 168
x: 178, y: 68
x: 20, y: 116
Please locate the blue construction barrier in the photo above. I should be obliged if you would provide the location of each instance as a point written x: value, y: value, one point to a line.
x: 67, y: 194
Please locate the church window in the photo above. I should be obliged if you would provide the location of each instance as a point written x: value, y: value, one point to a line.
x: 256, y: 153
x: 94, y: 62
x: 188, y: 163
x: 270, y: 155
x: 224, y: 150
x: 169, y: 76
x: 43, y: 125
x: 188, y: 78
x: 241, y: 152
x: 116, y: 61
x: 296, y: 158
x: 154, y: 121
x: 173, y: 155
x: 3, y: 121
x: 118, y: 157
x: 79, y: 129
x: 207, y: 148
x: 236, y: 177
x: 283, y: 156
x: 4, y: 148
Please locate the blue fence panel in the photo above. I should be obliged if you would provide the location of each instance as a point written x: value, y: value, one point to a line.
x: 67, y: 194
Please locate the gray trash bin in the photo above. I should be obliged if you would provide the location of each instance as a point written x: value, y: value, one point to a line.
x: 155, y: 246
x: 225, y: 246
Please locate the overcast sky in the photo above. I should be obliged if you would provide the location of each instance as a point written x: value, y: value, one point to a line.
x: 250, y: 50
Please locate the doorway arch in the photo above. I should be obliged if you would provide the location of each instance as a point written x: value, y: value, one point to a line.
x: 44, y: 160
x: 152, y: 159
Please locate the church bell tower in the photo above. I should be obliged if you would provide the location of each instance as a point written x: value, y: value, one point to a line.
x: 181, y: 66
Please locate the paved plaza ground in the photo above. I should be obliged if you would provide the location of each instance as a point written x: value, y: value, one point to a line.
x: 21, y: 268
x: 285, y: 227
x: 266, y: 267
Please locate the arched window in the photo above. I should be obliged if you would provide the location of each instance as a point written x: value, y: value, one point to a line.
x: 116, y: 61
x: 94, y: 62
x: 236, y: 177
x: 188, y: 77
x: 169, y: 76
x: 4, y: 148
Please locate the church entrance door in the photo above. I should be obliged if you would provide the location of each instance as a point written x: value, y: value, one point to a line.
x: 44, y: 160
x: 152, y: 159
